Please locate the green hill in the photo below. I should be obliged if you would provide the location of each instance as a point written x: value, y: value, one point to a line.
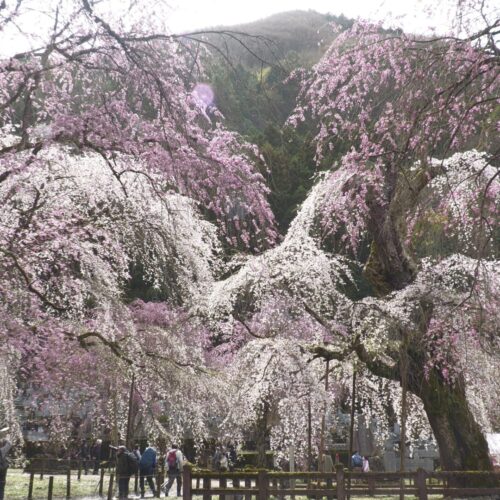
x: 248, y: 69
x: 307, y: 34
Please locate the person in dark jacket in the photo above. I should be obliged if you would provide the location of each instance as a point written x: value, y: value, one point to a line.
x: 122, y: 472
x: 5, y: 446
x: 84, y: 455
x: 95, y: 454
x: 147, y: 466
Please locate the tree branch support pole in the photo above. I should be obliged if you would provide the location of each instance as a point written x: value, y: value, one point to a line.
x: 309, y: 435
x: 351, y: 428
x: 129, y: 416
x: 404, y: 385
x: 321, y: 458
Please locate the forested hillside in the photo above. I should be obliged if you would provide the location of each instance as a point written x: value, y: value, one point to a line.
x: 252, y: 90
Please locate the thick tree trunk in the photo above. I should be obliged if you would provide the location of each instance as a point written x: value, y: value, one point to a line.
x: 261, y: 436
x: 462, y: 445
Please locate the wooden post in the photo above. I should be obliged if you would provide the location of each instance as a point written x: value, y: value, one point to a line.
x: 101, y: 482
x: 321, y: 464
x: 248, y: 484
x: 371, y: 485
x: 129, y: 416
x: 421, y: 484
x: 402, y: 434
x: 110, y: 486
x: 351, y: 428
x: 42, y: 470
x: 291, y: 454
x: 262, y: 485
x: 222, y: 484
x: 79, y: 476
x: 339, y: 469
x: 329, y: 487
x: 353, y: 409
x: 51, y: 488
x: 207, y: 483
x: 309, y: 436
x: 159, y: 482
x: 187, y: 483
x: 30, y: 487
x: 68, y: 482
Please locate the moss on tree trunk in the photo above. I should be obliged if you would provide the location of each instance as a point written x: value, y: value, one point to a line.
x: 462, y: 445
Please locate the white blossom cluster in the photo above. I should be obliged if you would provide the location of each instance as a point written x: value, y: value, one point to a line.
x: 93, y: 219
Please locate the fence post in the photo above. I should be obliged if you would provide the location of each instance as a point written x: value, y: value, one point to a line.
x: 101, y: 482
x: 207, y: 484
x: 248, y: 484
x: 42, y: 468
x: 339, y: 469
x: 262, y: 485
x: 329, y: 487
x: 159, y: 482
x: 222, y: 484
x: 421, y: 484
x: 68, y: 482
x: 79, y: 476
x: 187, y: 482
x: 30, y: 487
x: 110, y: 486
x: 51, y: 488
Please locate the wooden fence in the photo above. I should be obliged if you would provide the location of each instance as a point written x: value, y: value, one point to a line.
x: 104, y: 487
x: 341, y: 484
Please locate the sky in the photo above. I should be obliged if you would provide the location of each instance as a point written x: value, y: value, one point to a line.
x: 34, y: 26
x: 414, y: 15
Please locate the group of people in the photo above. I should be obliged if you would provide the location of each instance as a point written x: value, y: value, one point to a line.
x: 224, y: 459
x: 91, y: 456
x: 359, y: 462
x: 129, y: 463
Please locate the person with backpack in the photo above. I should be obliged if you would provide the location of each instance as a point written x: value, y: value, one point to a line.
x: 357, y: 461
x: 5, y: 446
x: 173, y: 461
x: 147, y: 466
x: 126, y: 466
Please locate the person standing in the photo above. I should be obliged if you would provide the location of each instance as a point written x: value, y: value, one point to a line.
x: 84, y: 455
x: 147, y: 466
x: 137, y: 452
x: 5, y: 446
x: 174, y: 462
x: 95, y: 454
x: 123, y: 471
x: 357, y: 461
x: 216, y: 459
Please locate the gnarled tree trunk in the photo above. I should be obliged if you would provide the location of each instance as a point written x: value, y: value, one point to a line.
x: 462, y: 445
